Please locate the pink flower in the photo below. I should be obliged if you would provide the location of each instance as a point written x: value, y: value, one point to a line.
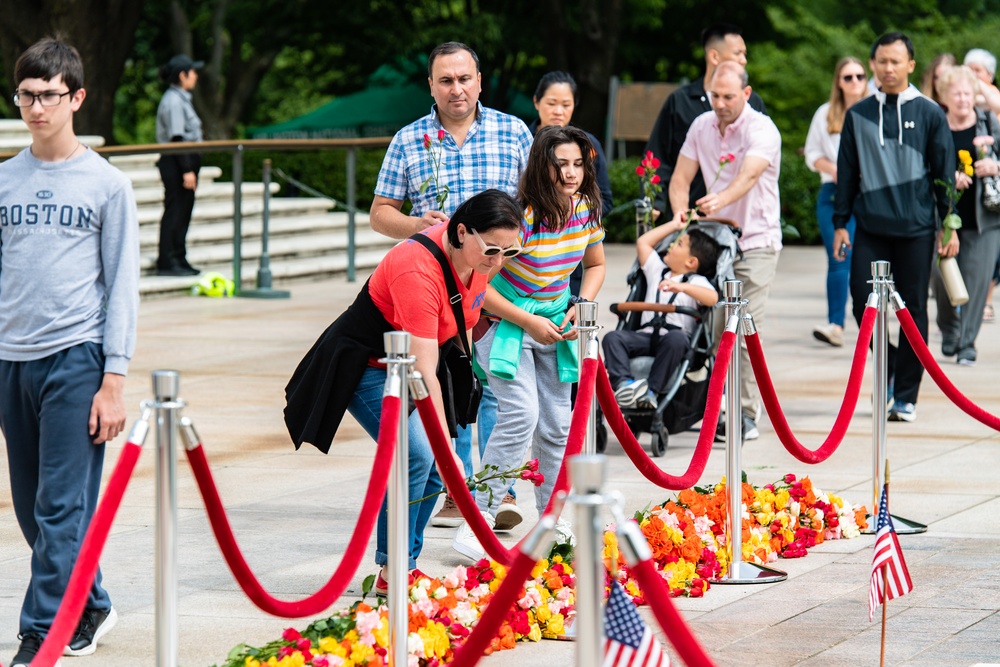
x: 427, y: 141
x: 727, y: 158
x: 291, y: 635
x: 640, y: 171
x: 532, y: 465
x: 789, y: 478
x: 655, y: 178
x: 441, y: 135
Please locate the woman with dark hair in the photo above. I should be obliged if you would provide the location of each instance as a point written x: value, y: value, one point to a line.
x: 529, y: 350
x: 176, y: 120
x: 822, y: 144
x: 407, y: 292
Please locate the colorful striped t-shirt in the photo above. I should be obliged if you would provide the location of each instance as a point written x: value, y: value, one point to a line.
x: 542, y: 271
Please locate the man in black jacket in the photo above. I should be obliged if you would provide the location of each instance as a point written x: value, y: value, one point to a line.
x: 893, y: 147
x: 723, y: 43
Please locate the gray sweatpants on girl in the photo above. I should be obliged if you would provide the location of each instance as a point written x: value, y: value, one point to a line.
x: 533, y: 410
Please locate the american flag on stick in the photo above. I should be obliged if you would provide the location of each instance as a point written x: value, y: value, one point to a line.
x: 628, y: 640
x: 890, y: 578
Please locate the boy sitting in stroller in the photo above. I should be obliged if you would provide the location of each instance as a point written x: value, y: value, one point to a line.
x: 682, y: 277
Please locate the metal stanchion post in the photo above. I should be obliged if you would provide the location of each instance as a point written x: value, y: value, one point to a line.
x: 587, y: 476
x: 238, y: 219
x: 165, y: 388
x: 882, y: 284
x: 586, y: 324
x: 399, y: 361
x: 264, y: 277
x: 739, y: 571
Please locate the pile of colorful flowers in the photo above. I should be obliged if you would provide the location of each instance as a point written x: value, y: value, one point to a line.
x: 442, y: 613
x: 687, y: 537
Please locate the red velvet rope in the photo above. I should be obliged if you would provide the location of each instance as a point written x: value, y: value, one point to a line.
x: 82, y: 578
x: 843, y: 421
x: 657, y: 594
x: 454, y: 480
x: 634, y: 450
x: 909, y: 328
x: 356, y: 547
x: 488, y: 624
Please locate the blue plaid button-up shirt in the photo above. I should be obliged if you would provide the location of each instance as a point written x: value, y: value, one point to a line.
x: 494, y: 154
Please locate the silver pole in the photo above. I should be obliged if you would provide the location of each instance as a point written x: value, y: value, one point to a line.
x: 739, y: 571
x: 397, y: 347
x: 351, y: 211
x: 587, y: 476
x: 586, y: 324
x: 165, y: 389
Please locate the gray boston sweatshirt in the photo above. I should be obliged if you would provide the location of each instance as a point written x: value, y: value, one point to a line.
x: 69, y: 258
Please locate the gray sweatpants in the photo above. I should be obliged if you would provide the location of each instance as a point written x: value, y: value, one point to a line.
x: 533, y: 410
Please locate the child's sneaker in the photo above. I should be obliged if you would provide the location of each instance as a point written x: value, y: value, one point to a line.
x: 630, y: 392
x: 647, y: 401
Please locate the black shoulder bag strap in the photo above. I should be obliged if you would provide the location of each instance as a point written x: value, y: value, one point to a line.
x: 449, y: 280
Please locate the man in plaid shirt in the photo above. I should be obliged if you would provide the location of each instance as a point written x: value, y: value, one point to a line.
x: 479, y: 149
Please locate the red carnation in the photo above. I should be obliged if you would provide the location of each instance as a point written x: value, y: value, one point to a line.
x: 441, y: 135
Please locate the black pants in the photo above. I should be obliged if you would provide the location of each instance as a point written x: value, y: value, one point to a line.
x: 620, y: 346
x: 910, y: 262
x: 178, y: 202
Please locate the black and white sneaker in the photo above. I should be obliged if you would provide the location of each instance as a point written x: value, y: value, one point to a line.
x: 629, y: 392
x: 31, y: 642
x: 94, y: 624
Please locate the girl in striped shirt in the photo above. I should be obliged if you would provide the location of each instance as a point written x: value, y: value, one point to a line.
x: 529, y: 351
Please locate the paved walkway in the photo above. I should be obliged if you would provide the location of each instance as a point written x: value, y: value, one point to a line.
x: 292, y: 511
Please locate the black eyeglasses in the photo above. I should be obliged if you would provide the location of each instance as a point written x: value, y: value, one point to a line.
x: 857, y: 77
x: 49, y: 98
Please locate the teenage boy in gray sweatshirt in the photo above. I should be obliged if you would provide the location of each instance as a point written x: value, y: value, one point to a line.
x: 69, y: 300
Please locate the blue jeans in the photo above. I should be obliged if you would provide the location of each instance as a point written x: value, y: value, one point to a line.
x: 485, y: 422
x: 366, y: 407
x: 838, y: 273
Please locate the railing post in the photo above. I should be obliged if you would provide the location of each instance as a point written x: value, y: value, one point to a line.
x: 587, y: 476
x: 351, y: 210
x: 264, y: 290
x: 165, y: 388
x: 238, y: 219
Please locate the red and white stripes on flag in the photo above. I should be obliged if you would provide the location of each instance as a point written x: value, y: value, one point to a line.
x: 628, y: 640
x: 888, y: 554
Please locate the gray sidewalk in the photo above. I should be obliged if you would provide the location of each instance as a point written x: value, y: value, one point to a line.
x: 293, y: 511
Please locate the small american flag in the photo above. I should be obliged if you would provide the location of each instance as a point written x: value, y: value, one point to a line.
x: 889, y: 554
x: 628, y: 640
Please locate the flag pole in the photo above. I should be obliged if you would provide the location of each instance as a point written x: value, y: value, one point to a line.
x: 885, y: 579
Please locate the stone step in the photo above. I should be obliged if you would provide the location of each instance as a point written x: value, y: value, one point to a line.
x: 14, y: 136
x: 149, y: 177
x: 283, y: 272
x: 221, y: 231
x: 153, y: 195
x: 216, y: 210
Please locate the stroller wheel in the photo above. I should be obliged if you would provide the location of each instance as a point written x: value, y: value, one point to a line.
x: 601, y: 439
x: 658, y: 441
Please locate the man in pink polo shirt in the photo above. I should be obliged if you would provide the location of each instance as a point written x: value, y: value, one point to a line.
x: 744, y: 189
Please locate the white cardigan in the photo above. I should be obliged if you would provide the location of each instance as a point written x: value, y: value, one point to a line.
x: 820, y: 143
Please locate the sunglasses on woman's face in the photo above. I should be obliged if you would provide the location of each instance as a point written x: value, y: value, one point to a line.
x: 857, y: 77
x: 494, y: 250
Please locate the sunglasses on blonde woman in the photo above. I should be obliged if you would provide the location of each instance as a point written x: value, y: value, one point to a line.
x: 857, y: 77
x: 494, y: 250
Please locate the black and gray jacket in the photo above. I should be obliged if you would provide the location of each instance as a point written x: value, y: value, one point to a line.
x: 892, y: 149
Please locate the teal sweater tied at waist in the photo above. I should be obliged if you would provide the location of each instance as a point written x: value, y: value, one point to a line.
x: 505, y: 354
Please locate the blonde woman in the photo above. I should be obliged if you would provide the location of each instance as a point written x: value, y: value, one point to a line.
x: 930, y: 81
x: 850, y: 84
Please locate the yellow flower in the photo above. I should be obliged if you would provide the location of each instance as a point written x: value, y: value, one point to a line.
x: 329, y: 645
x: 435, y: 638
x: 555, y: 625
x: 536, y: 633
x: 540, y: 567
x: 965, y: 157
x: 251, y: 662
x: 360, y: 652
x: 543, y: 614
x: 381, y: 633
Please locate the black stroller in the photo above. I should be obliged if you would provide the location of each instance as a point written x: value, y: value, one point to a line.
x: 682, y: 402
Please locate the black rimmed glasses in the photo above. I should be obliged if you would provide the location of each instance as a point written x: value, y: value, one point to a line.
x: 856, y: 77
x: 49, y: 98
x: 494, y: 250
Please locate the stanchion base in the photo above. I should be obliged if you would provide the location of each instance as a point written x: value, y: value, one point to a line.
x: 751, y: 573
x: 900, y: 525
x: 265, y: 294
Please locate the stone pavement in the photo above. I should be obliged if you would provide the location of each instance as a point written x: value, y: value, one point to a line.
x: 293, y: 511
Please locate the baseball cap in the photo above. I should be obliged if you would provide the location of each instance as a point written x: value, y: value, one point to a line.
x: 182, y: 63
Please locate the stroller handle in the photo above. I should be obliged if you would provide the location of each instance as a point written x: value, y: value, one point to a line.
x: 637, y: 306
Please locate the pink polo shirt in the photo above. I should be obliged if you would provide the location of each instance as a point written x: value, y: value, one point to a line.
x: 759, y: 211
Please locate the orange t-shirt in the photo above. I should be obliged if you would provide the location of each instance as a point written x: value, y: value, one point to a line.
x: 409, y: 290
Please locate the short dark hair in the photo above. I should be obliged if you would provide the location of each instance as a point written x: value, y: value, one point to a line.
x: 719, y: 31
x: 47, y: 58
x: 447, y: 49
x: 706, y: 251
x: 552, y: 78
x: 891, y: 38
x: 490, y: 209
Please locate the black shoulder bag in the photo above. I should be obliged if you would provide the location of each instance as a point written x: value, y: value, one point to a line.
x: 460, y: 388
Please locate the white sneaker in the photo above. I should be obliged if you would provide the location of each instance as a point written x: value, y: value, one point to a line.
x: 466, y: 543
x: 564, y: 532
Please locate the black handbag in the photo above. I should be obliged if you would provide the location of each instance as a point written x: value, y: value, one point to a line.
x: 461, y: 390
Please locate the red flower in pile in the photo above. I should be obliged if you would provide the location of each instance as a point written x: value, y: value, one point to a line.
x: 789, y: 478
x: 775, y: 527
x: 291, y: 635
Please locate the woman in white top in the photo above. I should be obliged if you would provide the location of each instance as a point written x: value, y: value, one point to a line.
x: 822, y: 144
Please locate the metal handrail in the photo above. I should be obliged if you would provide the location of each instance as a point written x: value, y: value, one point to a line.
x: 238, y: 147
